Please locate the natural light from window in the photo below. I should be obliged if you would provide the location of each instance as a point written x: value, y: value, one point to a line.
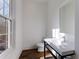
x: 4, y: 7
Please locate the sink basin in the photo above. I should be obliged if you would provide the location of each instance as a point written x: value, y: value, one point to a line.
x: 55, y: 41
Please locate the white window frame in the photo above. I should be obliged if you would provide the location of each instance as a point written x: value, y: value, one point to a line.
x: 11, y: 42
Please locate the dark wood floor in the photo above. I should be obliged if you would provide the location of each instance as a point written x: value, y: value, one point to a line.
x: 32, y: 54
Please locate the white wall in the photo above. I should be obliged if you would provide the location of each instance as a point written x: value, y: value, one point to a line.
x: 77, y: 28
x: 34, y: 24
x: 14, y: 52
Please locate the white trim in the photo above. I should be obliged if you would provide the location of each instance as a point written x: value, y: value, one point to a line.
x: 12, y: 9
x: 9, y: 34
x: 7, y: 18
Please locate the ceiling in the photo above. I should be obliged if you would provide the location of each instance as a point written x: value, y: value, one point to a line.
x: 41, y: 0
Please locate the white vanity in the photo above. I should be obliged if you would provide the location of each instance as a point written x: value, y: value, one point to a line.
x: 63, y: 50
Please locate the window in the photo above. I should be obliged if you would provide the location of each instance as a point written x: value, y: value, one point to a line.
x: 4, y: 7
x: 5, y: 26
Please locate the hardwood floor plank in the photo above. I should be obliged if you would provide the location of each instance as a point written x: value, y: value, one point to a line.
x: 32, y: 54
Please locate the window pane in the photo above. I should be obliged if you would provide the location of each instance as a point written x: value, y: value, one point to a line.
x: 4, y: 7
x: 4, y: 26
x: 1, y: 7
x: 1, y: 11
x: 3, y: 35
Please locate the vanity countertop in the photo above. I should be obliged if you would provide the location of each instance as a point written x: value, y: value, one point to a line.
x: 63, y: 49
